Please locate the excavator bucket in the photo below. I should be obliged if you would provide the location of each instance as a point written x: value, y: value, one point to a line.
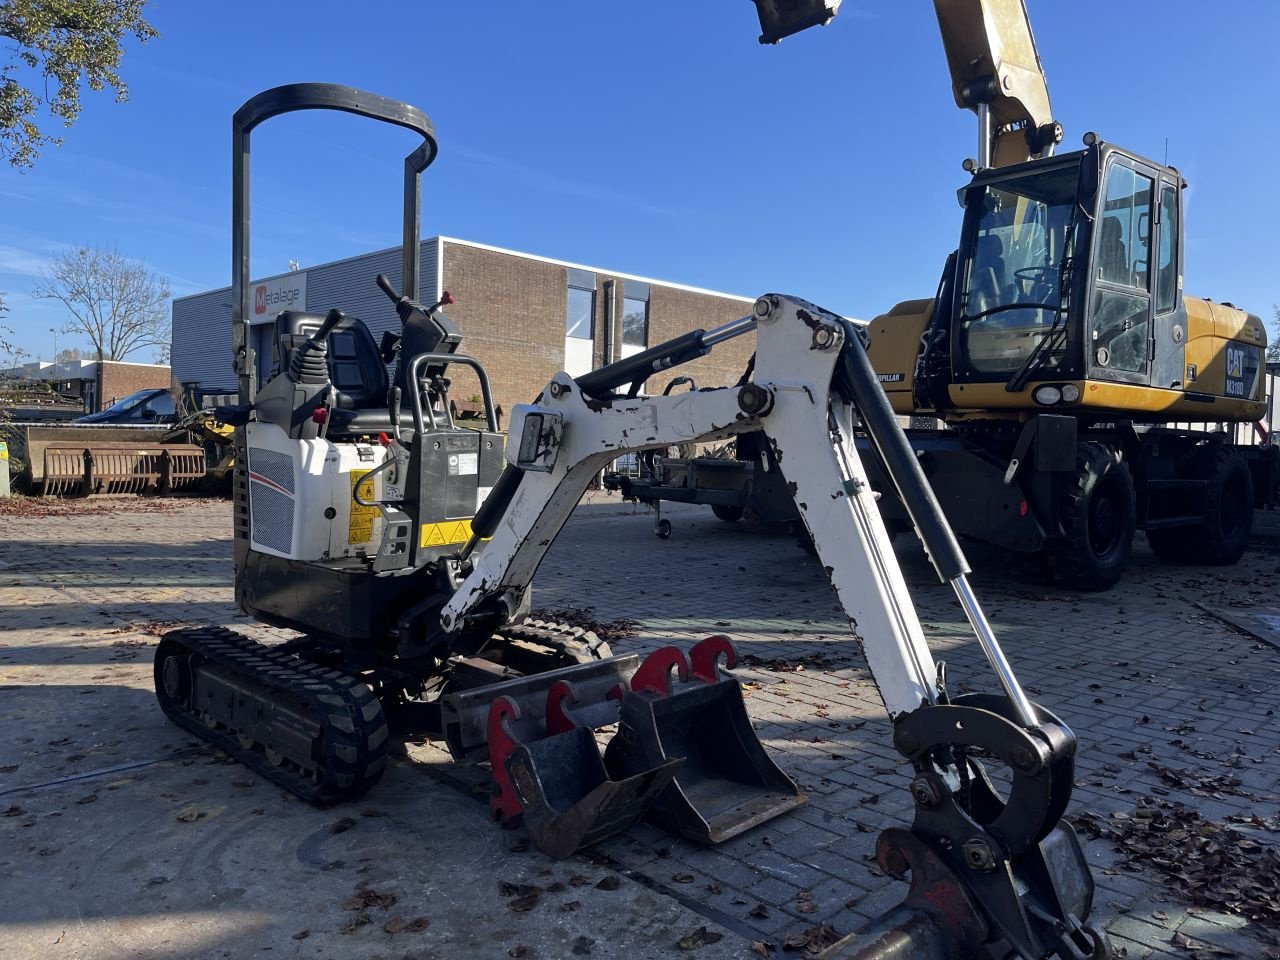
x: 558, y: 783
x: 728, y: 783
x: 782, y: 18
x: 82, y: 461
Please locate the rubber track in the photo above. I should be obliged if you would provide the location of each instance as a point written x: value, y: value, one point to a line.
x: 353, y: 735
x: 576, y: 644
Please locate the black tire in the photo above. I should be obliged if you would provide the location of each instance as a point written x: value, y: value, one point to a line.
x: 1222, y: 539
x: 1098, y: 516
x: 727, y: 513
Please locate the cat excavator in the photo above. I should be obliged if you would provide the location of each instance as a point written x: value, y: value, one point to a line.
x: 1059, y: 356
x: 401, y: 548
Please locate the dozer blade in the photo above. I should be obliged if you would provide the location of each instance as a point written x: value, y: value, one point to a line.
x: 728, y: 783
x: 550, y: 774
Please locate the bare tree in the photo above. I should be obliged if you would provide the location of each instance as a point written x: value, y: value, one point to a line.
x: 118, y: 303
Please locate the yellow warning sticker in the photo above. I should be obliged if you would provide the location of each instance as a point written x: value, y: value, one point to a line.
x: 360, y: 527
x: 441, y: 534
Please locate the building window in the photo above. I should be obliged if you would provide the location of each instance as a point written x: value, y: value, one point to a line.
x: 635, y: 314
x: 579, y: 321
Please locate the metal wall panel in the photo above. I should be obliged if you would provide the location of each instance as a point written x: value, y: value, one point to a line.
x: 201, y: 341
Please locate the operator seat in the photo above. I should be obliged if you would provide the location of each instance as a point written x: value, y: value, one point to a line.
x: 1113, y: 259
x: 987, y: 285
x: 356, y: 369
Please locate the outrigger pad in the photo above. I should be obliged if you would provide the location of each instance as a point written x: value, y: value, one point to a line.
x: 728, y: 783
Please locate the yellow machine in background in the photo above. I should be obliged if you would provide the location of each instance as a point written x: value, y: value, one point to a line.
x: 1060, y: 350
x: 1060, y: 359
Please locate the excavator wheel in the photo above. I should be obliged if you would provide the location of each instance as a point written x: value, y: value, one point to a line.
x: 726, y: 513
x: 1098, y: 517
x: 318, y: 732
x: 1221, y: 540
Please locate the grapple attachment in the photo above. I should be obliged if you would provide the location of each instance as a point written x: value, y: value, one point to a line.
x: 556, y: 780
x: 728, y: 783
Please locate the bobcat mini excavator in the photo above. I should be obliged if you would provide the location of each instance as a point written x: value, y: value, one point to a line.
x: 403, y: 549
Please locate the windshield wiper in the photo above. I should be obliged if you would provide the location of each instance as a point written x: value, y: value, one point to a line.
x: 1057, y: 331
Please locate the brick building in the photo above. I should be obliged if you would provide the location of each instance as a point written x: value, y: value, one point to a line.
x: 97, y: 384
x: 524, y: 317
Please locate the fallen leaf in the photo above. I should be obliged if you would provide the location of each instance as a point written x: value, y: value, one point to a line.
x: 683, y: 878
x: 369, y: 898
x: 610, y: 882
x: 759, y: 910
x: 394, y: 925
x: 762, y: 947
x: 341, y: 826
x: 699, y: 938
x: 571, y: 906
x: 518, y: 951
x: 417, y: 925
x: 355, y: 923
x: 526, y: 903
x: 302, y: 934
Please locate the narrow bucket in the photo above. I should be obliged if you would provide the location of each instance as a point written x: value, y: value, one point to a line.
x: 567, y: 798
x: 549, y: 773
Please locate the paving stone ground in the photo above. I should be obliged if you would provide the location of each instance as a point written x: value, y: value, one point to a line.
x: 1158, y: 686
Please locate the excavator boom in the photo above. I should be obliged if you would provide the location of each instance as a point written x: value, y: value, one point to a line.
x: 995, y: 71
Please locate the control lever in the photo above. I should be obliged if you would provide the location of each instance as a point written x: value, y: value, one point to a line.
x: 405, y: 306
x: 331, y: 321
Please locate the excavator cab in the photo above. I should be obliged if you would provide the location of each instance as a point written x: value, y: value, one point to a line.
x: 1066, y: 292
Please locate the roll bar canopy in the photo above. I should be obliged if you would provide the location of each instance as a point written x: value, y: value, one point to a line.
x: 314, y: 96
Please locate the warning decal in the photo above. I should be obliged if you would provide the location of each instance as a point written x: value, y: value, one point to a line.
x: 360, y: 527
x: 441, y: 534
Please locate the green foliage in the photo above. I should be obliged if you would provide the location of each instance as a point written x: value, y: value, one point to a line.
x: 57, y: 46
x: 1273, y: 340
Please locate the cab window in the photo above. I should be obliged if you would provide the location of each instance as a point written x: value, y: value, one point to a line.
x: 1124, y: 247
x: 1167, y: 275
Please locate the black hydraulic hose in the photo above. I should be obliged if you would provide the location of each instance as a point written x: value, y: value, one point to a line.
x: 599, y: 384
x: 857, y: 380
x: 485, y: 522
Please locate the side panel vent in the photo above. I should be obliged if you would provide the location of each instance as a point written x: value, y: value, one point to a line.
x: 271, y: 488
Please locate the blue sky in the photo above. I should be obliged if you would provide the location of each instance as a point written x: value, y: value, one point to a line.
x: 650, y: 136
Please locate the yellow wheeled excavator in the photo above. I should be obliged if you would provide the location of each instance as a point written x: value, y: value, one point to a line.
x: 1059, y: 353
x: 402, y: 548
x: 1060, y: 348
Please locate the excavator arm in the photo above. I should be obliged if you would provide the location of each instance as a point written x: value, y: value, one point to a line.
x: 991, y: 875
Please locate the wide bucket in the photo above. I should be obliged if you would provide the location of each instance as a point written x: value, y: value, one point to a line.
x: 567, y: 798
x: 727, y: 784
